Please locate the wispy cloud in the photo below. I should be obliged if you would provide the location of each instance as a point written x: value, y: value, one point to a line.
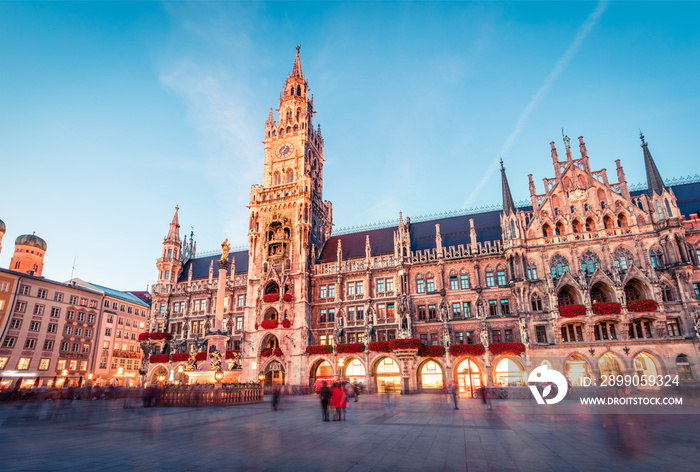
x: 559, y: 67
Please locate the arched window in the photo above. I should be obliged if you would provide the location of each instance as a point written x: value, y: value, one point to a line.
x: 621, y: 220
x: 683, y: 366
x: 546, y: 230
x: 576, y: 226
x: 668, y: 209
x: 566, y: 296
x: 590, y: 224
x: 536, y: 303
x: 622, y: 259
x: 558, y: 266
x: 532, y: 271
x: 600, y: 293
x: 512, y: 229
x: 589, y: 263
x: 633, y: 290
x: 605, y: 330
x: 666, y: 292
x: 290, y: 176
x: 277, y: 179
x: 657, y: 258
x: 559, y: 229
x: 659, y: 211
x: 289, y: 116
x: 608, y: 222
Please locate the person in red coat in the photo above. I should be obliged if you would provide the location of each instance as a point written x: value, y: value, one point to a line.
x: 336, y: 400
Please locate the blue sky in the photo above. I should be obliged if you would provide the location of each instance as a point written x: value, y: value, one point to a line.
x: 113, y: 113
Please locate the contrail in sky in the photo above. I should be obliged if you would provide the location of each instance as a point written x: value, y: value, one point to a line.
x: 563, y: 61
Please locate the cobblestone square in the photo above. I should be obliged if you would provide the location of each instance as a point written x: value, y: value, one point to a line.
x: 412, y: 433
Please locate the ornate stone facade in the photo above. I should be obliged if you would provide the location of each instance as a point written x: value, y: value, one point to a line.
x: 591, y: 278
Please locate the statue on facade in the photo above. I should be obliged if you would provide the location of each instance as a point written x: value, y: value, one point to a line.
x: 225, y: 249
x: 404, y: 323
x: 484, y: 336
x: 443, y: 311
x: 524, y: 336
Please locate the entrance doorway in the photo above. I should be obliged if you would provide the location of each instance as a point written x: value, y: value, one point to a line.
x: 274, y: 374
x: 388, y: 376
x: 469, y: 378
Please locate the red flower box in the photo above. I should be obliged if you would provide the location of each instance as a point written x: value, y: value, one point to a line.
x: 506, y: 348
x: 271, y: 297
x: 267, y: 353
x: 269, y: 324
x: 256, y: 326
x: 159, y: 336
x: 143, y: 336
x: 320, y: 349
x: 641, y: 306
x: 286, y: 324
x: 431, y: 351
x: 571, y: 311
x: 277, y: 352
x: 180, y: 356
x: 467, y: 350
x: 200, y: 356
x: 287, y: 297
x: 351, y: 348
x: 158, y: 358
x: 380, y: 346
x: 607, y: 308
x: 230, y: 354
x: 411, y: 343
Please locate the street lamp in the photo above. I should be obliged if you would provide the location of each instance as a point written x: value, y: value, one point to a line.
x: 341, y: 363
x: 219, y: 376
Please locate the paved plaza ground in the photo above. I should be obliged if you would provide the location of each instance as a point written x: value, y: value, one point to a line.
x: 416, y: 432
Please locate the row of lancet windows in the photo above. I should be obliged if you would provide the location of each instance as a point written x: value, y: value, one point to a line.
x: 577, y: 227
x: 622, y: 258
x: 277, y: 178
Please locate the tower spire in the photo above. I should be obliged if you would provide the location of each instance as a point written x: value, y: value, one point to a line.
x: 174, y: 231
x: 296, y: 71
x: 508, y: 205
x: 655, y: 183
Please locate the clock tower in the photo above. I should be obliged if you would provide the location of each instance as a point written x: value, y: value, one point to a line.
x: 289, y: 223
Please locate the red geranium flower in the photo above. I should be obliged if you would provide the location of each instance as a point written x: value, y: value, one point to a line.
x: 467, y: 350
x: 607, y: 308
x: 286, y: 324
x: 506, y: 348
x: 319, y: 349
x: 180, y: 356
x: 431, y: 351
x: 350, y: 348
x: 269, y: 324
x: 571, y: 311
x: 641, y: 306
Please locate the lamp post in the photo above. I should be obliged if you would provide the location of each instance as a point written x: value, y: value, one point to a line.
x: 219, y: 376
x: 341, y: 363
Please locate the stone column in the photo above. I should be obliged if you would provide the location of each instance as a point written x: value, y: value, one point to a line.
x: 220, y: 293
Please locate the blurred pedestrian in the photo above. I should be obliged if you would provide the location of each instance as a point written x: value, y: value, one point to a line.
x: 325, y: 394
x: 453, y: 389
x: 336, y: 400
x: 276, y: 397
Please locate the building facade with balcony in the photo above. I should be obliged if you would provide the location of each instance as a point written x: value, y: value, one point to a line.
x: 591, y: 278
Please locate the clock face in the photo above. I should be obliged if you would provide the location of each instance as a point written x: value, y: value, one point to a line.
x: 284, y: 150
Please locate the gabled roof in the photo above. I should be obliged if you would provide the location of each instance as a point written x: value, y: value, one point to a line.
x: 110, y: 292
x: 454, y: 231
x: 200, y: 266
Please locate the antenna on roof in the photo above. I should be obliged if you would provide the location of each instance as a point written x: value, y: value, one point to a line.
x: 72, y: 269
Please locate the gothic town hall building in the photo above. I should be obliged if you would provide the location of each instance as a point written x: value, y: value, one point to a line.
x: 591, y: 279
